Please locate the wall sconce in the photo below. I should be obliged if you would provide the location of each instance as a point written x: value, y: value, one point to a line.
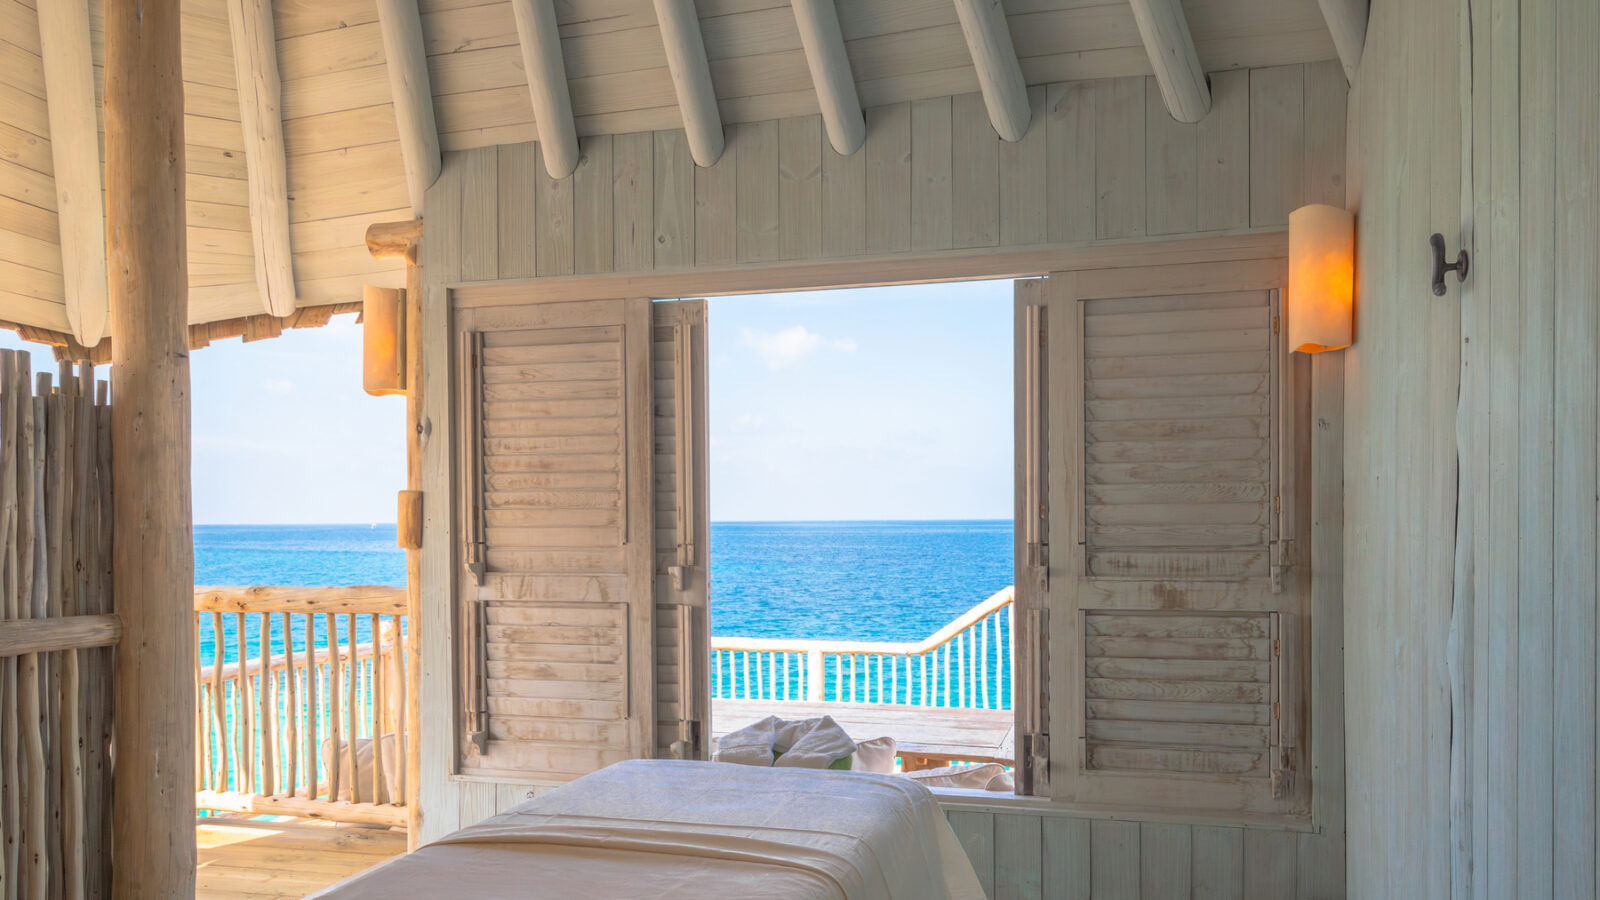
x: 1322, y: 260
x: 383, y: 340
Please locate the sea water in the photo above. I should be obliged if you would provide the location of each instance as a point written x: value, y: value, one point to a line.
x: 866, y: 581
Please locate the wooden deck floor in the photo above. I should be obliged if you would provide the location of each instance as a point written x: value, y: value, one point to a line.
x: 288, y: 859
x: 937, y: 733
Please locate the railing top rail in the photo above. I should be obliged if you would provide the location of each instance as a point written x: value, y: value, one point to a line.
x: 280, y: 661
x: 366, y: 599
x: 998, y: 600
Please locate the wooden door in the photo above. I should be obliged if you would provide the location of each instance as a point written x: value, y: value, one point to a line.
x: 1174, y: 431
x: 556, y: 612
x: 682, y: 530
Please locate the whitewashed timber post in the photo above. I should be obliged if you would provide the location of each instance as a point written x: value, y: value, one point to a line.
x: 153, y: 847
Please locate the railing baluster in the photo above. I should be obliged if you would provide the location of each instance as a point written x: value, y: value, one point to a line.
x: 218, y: 710
x: 242, y: 718
x: 335, y: 732
x: 354, y: 706
x: 265, y: 702
x: 374, y: 711
x: 312, y: 706
x: 292, y: 772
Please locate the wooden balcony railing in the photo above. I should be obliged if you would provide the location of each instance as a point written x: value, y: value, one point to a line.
x: 303, y: 711
x: 965, y: 664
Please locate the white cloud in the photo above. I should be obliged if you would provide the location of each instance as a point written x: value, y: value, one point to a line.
x: 783, y: 348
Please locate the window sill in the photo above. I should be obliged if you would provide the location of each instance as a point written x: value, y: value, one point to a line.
x: 969, y: 800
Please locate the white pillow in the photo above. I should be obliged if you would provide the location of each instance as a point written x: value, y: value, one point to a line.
x: 983, y: 777
x: 876, y: 755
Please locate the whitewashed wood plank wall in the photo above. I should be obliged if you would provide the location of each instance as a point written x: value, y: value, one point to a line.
x: 1473, y: 767
x: 932, y: 178
x: 1101, y: 161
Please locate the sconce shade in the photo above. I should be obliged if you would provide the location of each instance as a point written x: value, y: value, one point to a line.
x: 383, y: 340
x: 1322, y: 255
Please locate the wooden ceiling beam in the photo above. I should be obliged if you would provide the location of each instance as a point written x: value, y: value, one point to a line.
x: 1005, y: 93
x: 75, y: 153
x: 547, y: 81
x: 818, y: 21
x: 1347, y: 23
x: 255, y: 66
x: 1165, y: 31
x: 691, y: 78
x: 401, y: 24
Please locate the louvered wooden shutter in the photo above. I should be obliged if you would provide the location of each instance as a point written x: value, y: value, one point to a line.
x: 1178, y: 430
x: 1030, y: 639
x: 683, y: 631
x: 556, y: 612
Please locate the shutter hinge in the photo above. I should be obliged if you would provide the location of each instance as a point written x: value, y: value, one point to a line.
x: 1275, y: 324
x: 477, y: 554
x: 1277, y: 504
x: 1277, y: 711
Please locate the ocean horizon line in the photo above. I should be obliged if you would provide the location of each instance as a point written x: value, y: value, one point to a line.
x: 895, y: 521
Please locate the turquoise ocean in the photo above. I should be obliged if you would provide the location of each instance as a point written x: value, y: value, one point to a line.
x: 871, y: 581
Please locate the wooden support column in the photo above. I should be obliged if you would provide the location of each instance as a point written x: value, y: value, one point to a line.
x: 403, y: 240
x: 153, y: 847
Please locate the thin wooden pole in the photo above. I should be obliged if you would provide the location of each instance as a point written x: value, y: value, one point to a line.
x: 10, y: 774
x: 99, y: 878
x: 36, y: 853
x: 153, y: 534
x: 375, y: 711
x: 311, y: 706
x: 265, y: 700
x: 218, y: 701
x: 353, y: 705
x: 242, y: 719
x: 292, y: 772
x: 10, y: 722
x: 334, y: 731
x: 411, y: 772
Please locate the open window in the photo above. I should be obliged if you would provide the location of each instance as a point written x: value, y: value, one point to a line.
x: 1161, y: 454
x: 581, y: 588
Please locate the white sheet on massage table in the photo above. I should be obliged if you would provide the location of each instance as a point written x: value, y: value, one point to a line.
x: 666, y: 830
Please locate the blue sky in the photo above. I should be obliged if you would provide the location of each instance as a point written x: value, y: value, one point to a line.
x: 882, y: 403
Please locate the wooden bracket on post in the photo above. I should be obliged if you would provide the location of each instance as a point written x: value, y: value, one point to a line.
x: 396, y: 240
x: 408, y: 533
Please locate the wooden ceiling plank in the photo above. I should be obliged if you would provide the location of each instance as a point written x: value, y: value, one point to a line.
x: 1165, y: 32
x: 1347, y: 22
x: 540, y: 39
x: 413, y: 96
x: 255, y: 61
x: 818, y: 21
x: 691, y: 79
x: 75, y: 153
x: 983, y: 23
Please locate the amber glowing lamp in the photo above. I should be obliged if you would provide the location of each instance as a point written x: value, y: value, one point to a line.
x: 1322, y: 254
x: 382, y: 340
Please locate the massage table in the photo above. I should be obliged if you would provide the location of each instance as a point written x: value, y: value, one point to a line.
x: 674, y: 830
